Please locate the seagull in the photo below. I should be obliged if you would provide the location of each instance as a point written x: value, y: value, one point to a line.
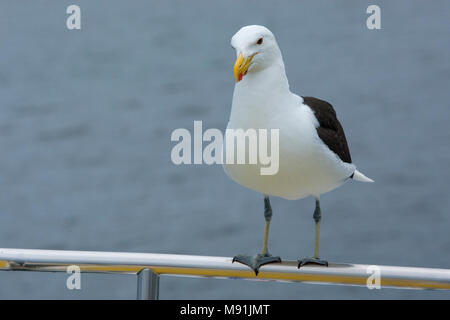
x: 314, y: 157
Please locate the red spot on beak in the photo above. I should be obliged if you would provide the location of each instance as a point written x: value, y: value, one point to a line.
x: 240, y: 76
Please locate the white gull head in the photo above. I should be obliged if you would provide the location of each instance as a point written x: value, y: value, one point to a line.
x: 256, y: 49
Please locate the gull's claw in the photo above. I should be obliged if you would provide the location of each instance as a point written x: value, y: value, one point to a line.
x: 256, y: 261
x: 305, y: 261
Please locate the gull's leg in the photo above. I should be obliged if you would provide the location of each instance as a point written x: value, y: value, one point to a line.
x: 264, y: 257
x: 315, y: 260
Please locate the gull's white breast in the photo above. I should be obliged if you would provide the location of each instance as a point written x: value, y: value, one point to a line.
x: 306, y: 165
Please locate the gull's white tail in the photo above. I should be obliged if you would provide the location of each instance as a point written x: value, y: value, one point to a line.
x: 358, y: 176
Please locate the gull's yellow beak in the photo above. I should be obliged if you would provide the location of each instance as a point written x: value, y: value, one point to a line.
x: 241, y: 66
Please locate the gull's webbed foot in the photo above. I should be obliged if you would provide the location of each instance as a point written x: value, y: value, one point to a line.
x: 305, y: 261
x: 256, y: 261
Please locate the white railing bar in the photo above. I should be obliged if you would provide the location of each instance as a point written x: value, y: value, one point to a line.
x: 210, y: 266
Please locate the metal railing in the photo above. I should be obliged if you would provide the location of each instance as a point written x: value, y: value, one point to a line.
x: 149, y: 266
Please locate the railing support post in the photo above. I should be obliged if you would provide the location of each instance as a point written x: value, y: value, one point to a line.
x: 147, y: 285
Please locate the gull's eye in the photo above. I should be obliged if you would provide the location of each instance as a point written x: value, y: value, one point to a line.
x: 260, y: 41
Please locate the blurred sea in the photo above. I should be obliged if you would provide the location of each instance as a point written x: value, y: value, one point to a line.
x: 86, y: 118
